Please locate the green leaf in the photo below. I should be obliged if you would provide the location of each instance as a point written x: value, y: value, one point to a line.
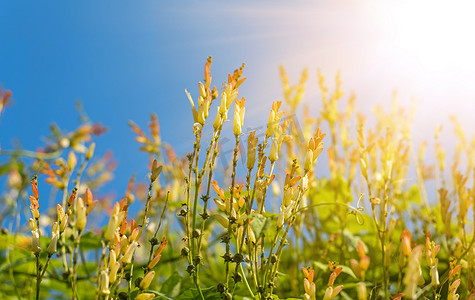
x: 90, y: 241
x: 345, y: 296
x: 209, y: 293
x: 260, y: 224
x: 159, y: 295
x: 171, y: 286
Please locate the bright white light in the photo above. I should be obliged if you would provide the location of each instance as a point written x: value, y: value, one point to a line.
x: 439, y: 34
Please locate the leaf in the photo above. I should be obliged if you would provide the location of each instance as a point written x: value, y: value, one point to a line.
x: 171, y: 286
x: 90, y: 241
x: 345, y: 296
x: 347, y: 270
x: 260, y: 224
x: 209, y: 293
x: 159, y: 295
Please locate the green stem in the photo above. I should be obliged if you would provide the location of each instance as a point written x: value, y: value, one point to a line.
x: 230, y: 209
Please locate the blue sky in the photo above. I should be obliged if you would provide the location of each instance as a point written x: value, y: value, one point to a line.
x: 124, y: 61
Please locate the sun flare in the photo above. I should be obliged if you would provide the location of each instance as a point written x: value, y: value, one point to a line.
x: 436, y: 33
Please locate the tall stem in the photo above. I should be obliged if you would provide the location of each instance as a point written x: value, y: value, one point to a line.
x: 230, y: 209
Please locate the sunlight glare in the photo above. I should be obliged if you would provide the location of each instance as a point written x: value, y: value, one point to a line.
x: 439, y: 34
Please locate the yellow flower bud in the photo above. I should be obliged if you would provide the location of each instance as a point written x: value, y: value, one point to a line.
x: 104, y: 283
x: 308, y: 161
x: 112, y: 258
x: 64, y: 222
x: 145, y: 296
x: 202, y: 90
x: 361, y: 291
x: 129, y: 253
x: 35, y: 242
x: 237, y: 123
x: 114, y: 222
x: 280, y: 220
x: 113, y: 271
x: 328, y: 293
x: 81, y: 215
x: 124, y: 244
x: 145, y: 282
x: 60, y: 212
x: 72, y: 161
x: 274, y: 151
x: 154, y: 261
x: 222, y: 220
x: 90, y: 151
x: 434, y: 276
x: 32, y: 224
x: 271, y: 126
x: 251, y: 150
x: 218, y: 121
x: 53, y: 244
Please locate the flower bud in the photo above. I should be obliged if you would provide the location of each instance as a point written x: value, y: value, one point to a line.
x: 364, y: 263
x: 274, y: 151
x: 145, y: 296
x: 308, y: 160
x: 306, y: 285
x: 32, y: 224
x: 154, y: 261
x: 129, y: 253
x: 271, y: 126
x: 222, y: 220
x: 90, y: 151
x: 355, y: 266
x: 91, y: 207
x: 53, y: 244
x: 218, y: 121
x: 361, y: 291
x: 124, y: 244
x: 434, y: 276
x: 104, y: 283
x: 64, y: 222
x: 134, y: 235
x: 251, y: 150
x: 113, y: 224
x: 202, y: 90
x: 35, y: 242
x: 280, y: 220
x: 72, y: 161
x: 328, y: 293
x: 81, y: 215
x: 237, y: 123
x: 336, y: 291
x: 60, y: 212
x: 113, y: 271
x: 145, y: 282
